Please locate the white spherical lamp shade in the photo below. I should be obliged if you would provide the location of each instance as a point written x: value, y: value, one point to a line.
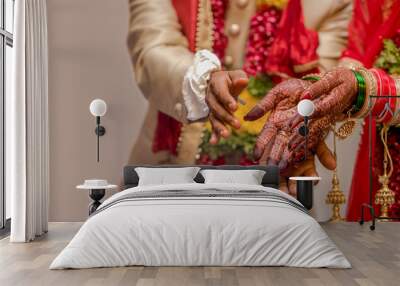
x: 305, y: 107
x: 98, y: 107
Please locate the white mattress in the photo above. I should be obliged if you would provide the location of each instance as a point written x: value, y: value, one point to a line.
x: 191, y: 231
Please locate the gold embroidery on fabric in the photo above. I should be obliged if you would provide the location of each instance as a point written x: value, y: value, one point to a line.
x: 205, y: 26
x: 305, y: 67
x: 191, y: 134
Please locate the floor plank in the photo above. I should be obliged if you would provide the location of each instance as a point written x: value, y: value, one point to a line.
x: 375, y: 257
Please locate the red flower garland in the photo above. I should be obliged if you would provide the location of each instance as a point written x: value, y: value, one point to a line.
x: 263, y: 26
x: 394, y: 185
x: 220, y: 40
x: 262, y: 32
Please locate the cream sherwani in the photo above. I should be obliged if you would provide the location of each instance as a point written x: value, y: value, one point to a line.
x: 160, y: 57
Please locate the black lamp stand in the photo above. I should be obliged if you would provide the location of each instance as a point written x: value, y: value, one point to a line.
x: 305, y: 187
x: 100, y: 131
x: 305, y: 193
x: 303, y: 131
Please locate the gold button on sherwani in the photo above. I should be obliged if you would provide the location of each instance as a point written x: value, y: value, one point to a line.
x: 242, y: 3
x: 228, y: 60
x: 234, y: 30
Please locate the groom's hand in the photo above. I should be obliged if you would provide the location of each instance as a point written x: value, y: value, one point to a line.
x: 223, y: 90
x: 307, y: 168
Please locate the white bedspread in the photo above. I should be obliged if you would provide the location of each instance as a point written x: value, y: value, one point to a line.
x: 226, y: 231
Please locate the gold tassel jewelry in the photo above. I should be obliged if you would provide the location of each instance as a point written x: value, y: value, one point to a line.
x: 346, y: 129
x: 385, y: 197
x: 335, y: 197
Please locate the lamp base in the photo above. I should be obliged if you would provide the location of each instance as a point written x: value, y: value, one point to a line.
x: 100, y: 130
x: 96, y: 195
x: 305, y: 193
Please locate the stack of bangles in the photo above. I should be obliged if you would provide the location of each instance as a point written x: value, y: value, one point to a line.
x: 376, y: 93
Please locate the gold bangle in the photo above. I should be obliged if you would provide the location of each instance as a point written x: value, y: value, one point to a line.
x: 396, y: 114
x: 350, y: 63
x: 397, y: 85
x: 313, y: 74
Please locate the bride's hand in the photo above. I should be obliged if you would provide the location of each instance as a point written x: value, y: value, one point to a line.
x: 333, y: 94
x: 282, y: 101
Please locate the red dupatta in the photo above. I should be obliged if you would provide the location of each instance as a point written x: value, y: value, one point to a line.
x: 294, y: 45
x: 367, y: 30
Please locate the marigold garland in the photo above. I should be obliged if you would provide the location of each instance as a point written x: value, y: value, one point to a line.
x: 251, y: 127
x: 279, y: 4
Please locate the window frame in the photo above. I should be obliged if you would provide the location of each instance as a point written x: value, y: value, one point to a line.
x: 6, y: 39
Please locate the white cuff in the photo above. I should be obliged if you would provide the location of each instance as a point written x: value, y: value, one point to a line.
x: 195, y: 84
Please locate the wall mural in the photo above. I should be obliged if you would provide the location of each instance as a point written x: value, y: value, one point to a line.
x: 277, y: 45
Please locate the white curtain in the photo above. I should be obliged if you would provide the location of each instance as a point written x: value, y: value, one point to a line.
x: 27, y: 128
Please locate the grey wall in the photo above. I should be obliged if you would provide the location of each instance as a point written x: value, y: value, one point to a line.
x: 88, y: 59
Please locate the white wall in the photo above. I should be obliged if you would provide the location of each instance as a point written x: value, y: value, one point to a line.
x: 347, y: 152
x: 88, y: 59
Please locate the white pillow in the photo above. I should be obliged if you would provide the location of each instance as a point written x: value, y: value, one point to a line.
x: 248, y: 177
x: 163, y: 176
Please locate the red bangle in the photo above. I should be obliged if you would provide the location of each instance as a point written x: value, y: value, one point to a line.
x: 382, y: 89
x: 386, y: 92
x: 393, y: 101
x: 378, y: 90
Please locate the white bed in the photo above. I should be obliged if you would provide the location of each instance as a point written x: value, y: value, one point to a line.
x: 184, y: 230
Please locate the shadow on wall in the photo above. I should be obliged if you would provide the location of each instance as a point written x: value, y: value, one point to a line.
x: 88, y: 59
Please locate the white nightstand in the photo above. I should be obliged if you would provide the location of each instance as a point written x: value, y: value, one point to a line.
x: 97, y: 190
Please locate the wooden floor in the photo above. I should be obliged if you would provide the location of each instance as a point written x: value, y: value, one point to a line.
x: 375, y: 257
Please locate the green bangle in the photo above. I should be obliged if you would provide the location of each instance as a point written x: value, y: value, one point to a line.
x: 312, y: 78
x: 361, y: 90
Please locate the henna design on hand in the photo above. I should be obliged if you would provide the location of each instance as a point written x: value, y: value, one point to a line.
x: 333, y: 93
x: 284, y: 96
x: 274, y: 137
x: 317, y: 131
